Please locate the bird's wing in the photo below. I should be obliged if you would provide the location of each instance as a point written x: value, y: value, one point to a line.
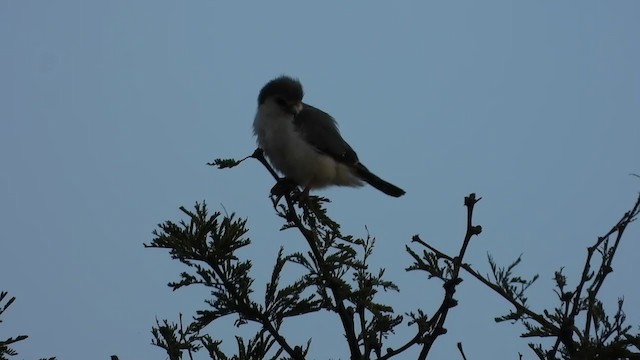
x: 320, y: 130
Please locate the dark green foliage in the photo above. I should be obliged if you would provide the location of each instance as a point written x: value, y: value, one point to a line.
x: 580, y: 324
x: 335, y: 274
x: 224, y: 163
x: 337, y: 278
x: 5, y: 349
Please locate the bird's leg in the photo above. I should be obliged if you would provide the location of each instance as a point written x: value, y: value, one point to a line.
x: 305, y: 192
x: 304, y: 195
x: 287, y: 186
x: 283, y: 186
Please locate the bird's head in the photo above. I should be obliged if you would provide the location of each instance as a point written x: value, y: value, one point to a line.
x: 285, y: 92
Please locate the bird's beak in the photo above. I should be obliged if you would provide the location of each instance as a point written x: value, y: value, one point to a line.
x: 295, y: 108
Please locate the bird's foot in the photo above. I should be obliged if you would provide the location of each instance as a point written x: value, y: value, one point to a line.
x: 302, y: 197
x: 283, y: 187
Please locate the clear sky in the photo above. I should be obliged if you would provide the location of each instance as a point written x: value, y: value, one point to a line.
x: 109, y: 111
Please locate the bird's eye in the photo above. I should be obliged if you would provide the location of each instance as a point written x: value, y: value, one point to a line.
x: 280, y: 101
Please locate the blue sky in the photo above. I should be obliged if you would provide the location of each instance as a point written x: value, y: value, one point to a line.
x: 110, y: 110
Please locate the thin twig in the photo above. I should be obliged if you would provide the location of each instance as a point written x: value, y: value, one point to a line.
x: 459, y: 345
x: 450, y: 286
x: 435, y: 325
x: 256, y: 315
x: 565, y: 335
x: 519, y: 307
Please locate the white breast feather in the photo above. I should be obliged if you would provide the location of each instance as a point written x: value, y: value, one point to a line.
x: 292, y: 155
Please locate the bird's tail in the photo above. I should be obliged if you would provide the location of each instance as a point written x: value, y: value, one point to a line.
x: 386, y: 187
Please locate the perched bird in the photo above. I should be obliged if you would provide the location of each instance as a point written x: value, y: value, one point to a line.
x: 304, y: 143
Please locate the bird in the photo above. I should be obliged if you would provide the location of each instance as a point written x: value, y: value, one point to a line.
x: 304, y: 144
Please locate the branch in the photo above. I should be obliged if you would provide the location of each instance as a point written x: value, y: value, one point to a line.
x: 565, y: 334
x: 258, y: 316
x: 206, y: 240
x: 519, y: 307
x: 450, y: 286
x: 428, y: 331
x: 4, y: 344
x: 345, y: 315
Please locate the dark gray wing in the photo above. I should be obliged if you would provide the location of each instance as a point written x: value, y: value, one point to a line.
x: 321, y: 131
